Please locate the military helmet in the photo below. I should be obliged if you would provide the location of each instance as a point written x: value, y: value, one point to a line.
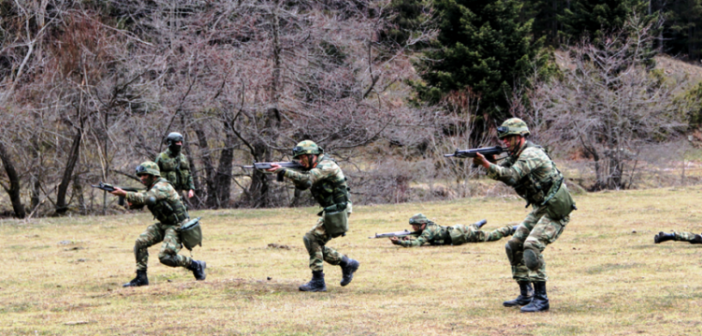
x: 419, y: 219
x: 148, y: 167
x: 174, y: 137
x: 512, y: 126
x: 306, y: 147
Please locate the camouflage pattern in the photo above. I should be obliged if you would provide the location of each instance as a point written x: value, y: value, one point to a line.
x: 162, y: 200
x: 148, y: 167
x: 531, y: 172
x: 176, y: 169
x: 419, y: 219
x: 326, y: 182
x: 168, y: 255
x: 685, y: 236
x: 535, y: 233
x: 513, y: 126
x: 328, y: 186
x: 434, y: 234
x: 315, y: 242
x: 535, y: 178
x: 306, y: 147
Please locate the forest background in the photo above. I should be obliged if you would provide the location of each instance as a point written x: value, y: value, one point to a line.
x: 89, y: 89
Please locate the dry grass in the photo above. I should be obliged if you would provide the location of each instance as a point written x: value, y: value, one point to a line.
x: 63, y: 276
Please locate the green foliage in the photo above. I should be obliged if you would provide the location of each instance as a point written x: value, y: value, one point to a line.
x: 692, y: 99
x: 683, y: 30
x: 407, y: 19
x: 594, y: 19
x: 483, y: 47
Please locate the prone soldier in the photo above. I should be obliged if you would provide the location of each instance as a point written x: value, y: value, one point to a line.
x: 165, y: 204
x: 534, y: 176
x: 434, y: 234
x: 174, y: 166
x: 327, y: 183
x: 690, y: 237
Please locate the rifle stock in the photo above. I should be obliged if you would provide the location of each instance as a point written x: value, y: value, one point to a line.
x: 470, y: 153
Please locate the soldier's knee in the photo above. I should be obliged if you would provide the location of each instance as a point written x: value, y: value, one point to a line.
x: 140, y: 244
x: 531, y: 259
x: 307, y: 239
x: 532, y: 244
x: 512, y: 248
x: 168, y: 259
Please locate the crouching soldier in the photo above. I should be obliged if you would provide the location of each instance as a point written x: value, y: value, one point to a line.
x: 165, y: 204
x: 328, y: 186
x: 433, y: 234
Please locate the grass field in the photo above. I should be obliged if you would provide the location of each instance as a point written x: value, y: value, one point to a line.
x: 63, y: 276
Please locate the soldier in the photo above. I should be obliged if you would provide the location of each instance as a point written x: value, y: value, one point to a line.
x: 678, y: 236
x: 534, y: 176
x: 327, y: 183
x: 165, y: 204
x: 449, y: 235
x: 175, y: 166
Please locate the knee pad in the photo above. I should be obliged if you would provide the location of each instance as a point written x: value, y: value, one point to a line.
x: 531, y: 259
x: 308, y: 243
x: 168, y: 260
x: 510, y: 255
x: 513, y: 248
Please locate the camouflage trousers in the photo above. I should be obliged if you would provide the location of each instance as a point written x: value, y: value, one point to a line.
x: 686, y: 236
x: 525, y: 248
x: 461, y: 234
x: 315, y: 242
x: 168, y: 255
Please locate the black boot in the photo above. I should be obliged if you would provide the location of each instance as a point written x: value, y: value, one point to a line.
x: 140, y: 280
x: 540, y: 301
x: 696, y: 240
x: 316, y: 284
x: 525, y: 295
x: 348, y: 266
x: 662, y: 236
x: 198, y: 268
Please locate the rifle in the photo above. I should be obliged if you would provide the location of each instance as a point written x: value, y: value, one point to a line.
x: 470, y: 153
x: 110, y: 188
x: 267, y: 165
x: 396, y: 234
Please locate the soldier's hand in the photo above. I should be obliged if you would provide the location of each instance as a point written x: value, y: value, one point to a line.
x: 119, y: 192
x: 395, y: 240
x: 191, y: 193
x: 480, y: 160
x: 274, y: 167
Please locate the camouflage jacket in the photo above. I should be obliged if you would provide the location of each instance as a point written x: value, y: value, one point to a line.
x: 326, y: 182
x: 175, y: 169
x: 162, y: 200
x: 432, y: 234
x: 531, y: 173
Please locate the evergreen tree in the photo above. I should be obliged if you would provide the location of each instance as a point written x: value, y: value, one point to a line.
x: 595, y: 18
x: 683, y: 27
x: 484, y: 47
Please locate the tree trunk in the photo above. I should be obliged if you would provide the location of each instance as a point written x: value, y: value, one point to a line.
x: 73, y: 154
x: 223, y: 179
x: 14, y: 190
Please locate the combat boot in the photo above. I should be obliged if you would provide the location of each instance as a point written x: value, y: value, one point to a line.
x: 540, y: 301
x: 316, y: 284
x: 696, y: 240
x: 198, y: 268
x: 348, y: 267
x: 140, y: 280
x: 662, y: 236
x: 480, y: 224
x: 526, y: 293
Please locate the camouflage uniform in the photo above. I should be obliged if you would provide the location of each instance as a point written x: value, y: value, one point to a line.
x: 535, y: 178
x: 686, y: 236
x: 434, y: 234
x: 328, y: 186
x: 176, y: 169
x: 164, y: 203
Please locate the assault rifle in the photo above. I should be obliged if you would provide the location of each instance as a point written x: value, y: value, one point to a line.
x: 110, y: 188
x: 471, y: 153
x: 396, y: 234
x: 267, y: 165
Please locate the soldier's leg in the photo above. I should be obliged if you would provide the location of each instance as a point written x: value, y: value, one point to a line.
x: 314, y: 243
x: 545, y: 232
x: 168, y: 255
x: 151, y: 236
x: 690, y: 237
x: 496, y: 234
x: 514, y: 249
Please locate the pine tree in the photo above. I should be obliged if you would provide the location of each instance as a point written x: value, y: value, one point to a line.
x: 595, y: 18
x: 483, y: 47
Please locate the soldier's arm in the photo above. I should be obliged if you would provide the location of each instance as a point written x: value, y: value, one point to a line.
x: 141, y: 197
x: 526, y: 163
x: 308, y: 178
x: 421, y: 240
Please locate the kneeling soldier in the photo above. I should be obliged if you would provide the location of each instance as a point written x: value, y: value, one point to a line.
x: 164, y: 203
x: 327, y: 183
x: 678, y: 236
x: 434, y: 234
